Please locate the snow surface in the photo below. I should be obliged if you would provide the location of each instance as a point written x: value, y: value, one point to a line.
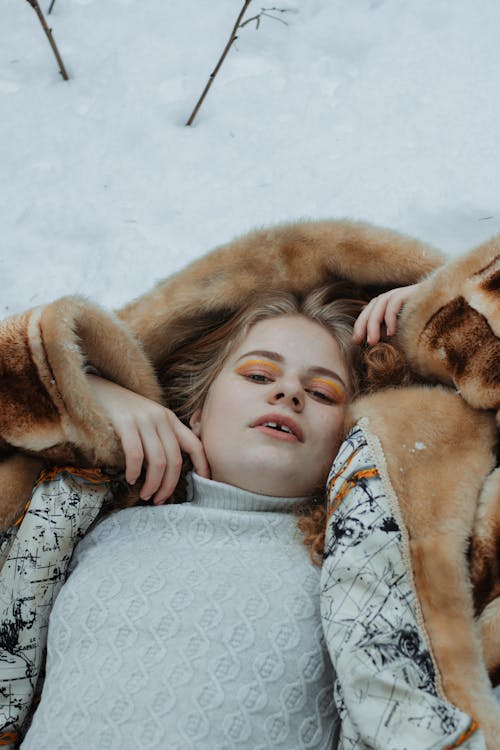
x: 369, y: 109
x: 380, y: 110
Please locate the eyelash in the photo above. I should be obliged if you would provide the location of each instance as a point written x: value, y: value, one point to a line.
x: 261, y: 378
x: 321, y: 396
x: 255, y: 377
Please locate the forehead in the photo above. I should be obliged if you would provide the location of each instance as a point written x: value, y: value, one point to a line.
x: 298, y: 340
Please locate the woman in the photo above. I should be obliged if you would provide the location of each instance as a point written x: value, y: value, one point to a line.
x: 156, y: 475
x: 223, y: 610
x: 215, y: 635
x: 152, y: 437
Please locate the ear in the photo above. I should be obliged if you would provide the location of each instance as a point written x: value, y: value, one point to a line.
x: 195, y: 422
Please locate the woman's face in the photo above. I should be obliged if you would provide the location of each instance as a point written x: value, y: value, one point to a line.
x: 272, y: 419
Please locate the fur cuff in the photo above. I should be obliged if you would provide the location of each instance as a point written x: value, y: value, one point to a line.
x: 46, y: 404
x: 450, y: 329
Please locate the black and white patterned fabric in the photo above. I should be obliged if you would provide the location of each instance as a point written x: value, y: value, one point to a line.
x: 386, y: 689
x: 34, y: 557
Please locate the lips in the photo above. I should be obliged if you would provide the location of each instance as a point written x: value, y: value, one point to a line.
x: 280, y: 420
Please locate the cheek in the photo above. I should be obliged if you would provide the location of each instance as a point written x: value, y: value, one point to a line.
x: 330, y: 434
x: 216, y: 422
x: 207, y: 424
x: 335, y: 422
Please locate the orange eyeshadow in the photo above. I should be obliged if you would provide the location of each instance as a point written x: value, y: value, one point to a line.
x: 261, y: 362
x: 336, y: 388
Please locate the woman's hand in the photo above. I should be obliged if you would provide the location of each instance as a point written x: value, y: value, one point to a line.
x: 149, y: 434
x: 381, y: 310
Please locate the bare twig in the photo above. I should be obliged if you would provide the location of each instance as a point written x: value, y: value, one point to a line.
x: 36, y: 7
x: 228, y: 46
x: 51, y: 6
x: 265, y: 12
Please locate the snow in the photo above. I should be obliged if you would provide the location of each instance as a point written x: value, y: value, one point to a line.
x: 375, y: 110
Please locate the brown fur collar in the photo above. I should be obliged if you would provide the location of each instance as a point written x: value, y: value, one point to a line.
x: 293, y: 257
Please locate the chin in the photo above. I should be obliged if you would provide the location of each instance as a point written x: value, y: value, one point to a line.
x: 265, y: 475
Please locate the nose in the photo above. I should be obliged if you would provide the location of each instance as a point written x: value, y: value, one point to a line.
x: 288, y: 392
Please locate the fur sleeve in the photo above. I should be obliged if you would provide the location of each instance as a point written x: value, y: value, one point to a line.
x: 450, y: 328
x: 47, y: 409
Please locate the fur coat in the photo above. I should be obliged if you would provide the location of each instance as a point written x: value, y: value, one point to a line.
x: 448, y: 495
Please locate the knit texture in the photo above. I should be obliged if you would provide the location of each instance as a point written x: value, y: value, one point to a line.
x: 189, y: 626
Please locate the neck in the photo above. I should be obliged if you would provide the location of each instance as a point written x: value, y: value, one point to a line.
x: 218, y: 494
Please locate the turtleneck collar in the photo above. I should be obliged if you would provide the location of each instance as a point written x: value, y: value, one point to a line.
x: 210, y: 494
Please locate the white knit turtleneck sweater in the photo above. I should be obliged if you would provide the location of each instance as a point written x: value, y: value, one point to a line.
x: 192, y: 626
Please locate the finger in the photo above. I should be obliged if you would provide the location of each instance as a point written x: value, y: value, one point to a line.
x: 193, y: 446
x: 186, y: 441
x: 359, y: 331
x: 134, y: 454
x: 398, y: 299
x: 393, y: 309
x: 155, y: 458
x: 173, y: 466
x: 377, y: 314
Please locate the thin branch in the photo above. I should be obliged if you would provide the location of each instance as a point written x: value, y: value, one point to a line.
x: 51, y: 6
x: 265, y: 12
x: 228, y: 46
x: 36, y: 7
x: 253, y: 18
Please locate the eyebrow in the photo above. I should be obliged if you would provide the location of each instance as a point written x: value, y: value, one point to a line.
x: 279, y: 358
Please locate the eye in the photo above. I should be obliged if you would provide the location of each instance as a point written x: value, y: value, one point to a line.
x: 257, y: 377
x: 320, y: 396
x: 327, y: 391
x: 257, y: 372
